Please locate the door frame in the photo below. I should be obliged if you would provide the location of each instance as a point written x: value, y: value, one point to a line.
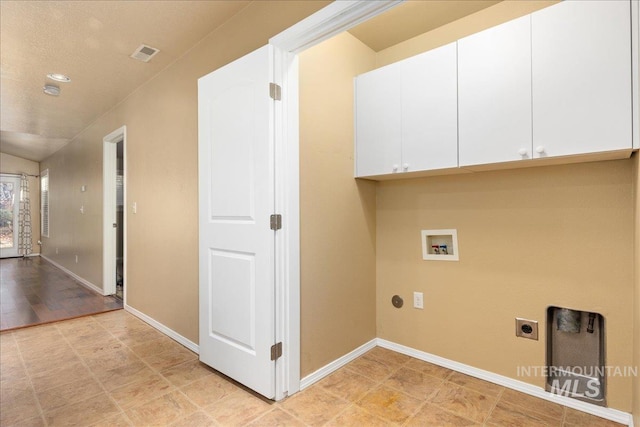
x: 109, y: 205
x: 333, y: 19
x: 14, y: 251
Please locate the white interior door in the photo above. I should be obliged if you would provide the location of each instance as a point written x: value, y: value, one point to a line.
x: 236, y: 177
x: 9, y: 208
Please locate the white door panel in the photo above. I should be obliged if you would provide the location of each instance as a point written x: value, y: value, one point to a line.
x: 236, y: 177
x: 232, y: 307
x: 234, y: 139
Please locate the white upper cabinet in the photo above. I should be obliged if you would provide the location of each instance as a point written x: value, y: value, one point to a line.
x: 378, y: 121
x: 581, y: 77
x: 554, y: 83
x: 494, y: 94
x: 406, y: 115
x: 429, y: 110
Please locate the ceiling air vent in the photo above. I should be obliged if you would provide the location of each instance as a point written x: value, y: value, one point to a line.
x: 144, y: 53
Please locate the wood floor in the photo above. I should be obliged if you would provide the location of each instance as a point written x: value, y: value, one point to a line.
x: 33, y: 291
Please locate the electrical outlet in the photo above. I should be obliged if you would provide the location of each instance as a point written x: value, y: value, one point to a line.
x: 526, y: 328
x: 76, y: 259
x: 418, y: 300
x: 56, y: 251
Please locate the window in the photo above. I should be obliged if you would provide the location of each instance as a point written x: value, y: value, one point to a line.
x: 44, y: 203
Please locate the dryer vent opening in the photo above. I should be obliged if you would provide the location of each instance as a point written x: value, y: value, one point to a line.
x: 575, y: 354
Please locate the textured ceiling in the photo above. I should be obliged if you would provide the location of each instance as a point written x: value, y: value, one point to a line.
x: 91, y: 42
x: 413, y: 18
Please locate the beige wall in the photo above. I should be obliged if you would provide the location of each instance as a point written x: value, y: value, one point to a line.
x: 636, y: 299
x: 528, y: 239
x: 71, y: 232
x: 162, y: 174
x: 486, y: 18
x: 337, y: 213
x: 18, y: 165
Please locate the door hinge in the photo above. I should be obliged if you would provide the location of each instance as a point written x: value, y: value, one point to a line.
x: 276, y: 222
x: 276, y: 351
x: 275, y: 91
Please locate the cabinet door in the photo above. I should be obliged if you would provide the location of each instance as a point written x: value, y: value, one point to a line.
x: 494, y: 94
x: 581, y: 77
x: 430, y: 110
x: 378, y: 121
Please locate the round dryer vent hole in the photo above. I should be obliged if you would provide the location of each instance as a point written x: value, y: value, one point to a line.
x: 397, y: 301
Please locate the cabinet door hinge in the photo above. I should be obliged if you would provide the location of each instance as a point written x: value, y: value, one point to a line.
x: 276, y: 351
x: 276, y: 222
x: 275, y: 91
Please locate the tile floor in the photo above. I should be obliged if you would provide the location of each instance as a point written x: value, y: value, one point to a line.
x: 34, y: 291
x: 112, y: 369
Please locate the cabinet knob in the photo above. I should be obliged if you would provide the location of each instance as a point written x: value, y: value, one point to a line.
x: 395, y: 168
x: 405, y: 166
x: 540, y: 149
x: 522, y: 152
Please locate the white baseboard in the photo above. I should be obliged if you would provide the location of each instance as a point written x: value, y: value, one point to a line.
x: 164, y: 329
x: 336, y: 364
x: 608, y: 413
x: 82, y: 281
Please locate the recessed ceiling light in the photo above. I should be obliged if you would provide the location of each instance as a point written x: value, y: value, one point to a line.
x: 59, y: 77
x: 51, y: 90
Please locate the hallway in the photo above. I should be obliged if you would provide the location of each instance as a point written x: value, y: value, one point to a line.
x: 34, y: 291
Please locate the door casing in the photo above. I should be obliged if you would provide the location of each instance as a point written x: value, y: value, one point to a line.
x: 13, y: 251
x: 109, y: 164
x: 322, y: 25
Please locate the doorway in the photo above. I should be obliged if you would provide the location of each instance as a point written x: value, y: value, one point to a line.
x: 114, y: 213
x: 221, y: 301
x: 120, y: 219
x: 9, y: 208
